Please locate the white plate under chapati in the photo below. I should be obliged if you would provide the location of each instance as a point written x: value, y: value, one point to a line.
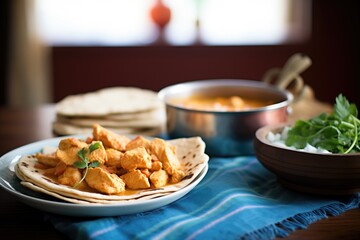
x: 45, y: 202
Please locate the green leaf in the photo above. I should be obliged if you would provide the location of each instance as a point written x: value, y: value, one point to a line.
x: 325, y: 138
x: 343, y: 109
x: 353, y: 110
x: 81, y: 164
x: 319, y: 120
x: 298, y: 135
x: 84, y: 162
x: 94, y: 146
x: 94, y: 164
x: 82, y: 154
x: 338, y: 132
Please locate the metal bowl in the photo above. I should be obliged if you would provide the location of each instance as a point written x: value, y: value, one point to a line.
x: 225, y: 133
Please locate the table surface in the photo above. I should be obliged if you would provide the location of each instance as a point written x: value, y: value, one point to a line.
x: 20, y: 126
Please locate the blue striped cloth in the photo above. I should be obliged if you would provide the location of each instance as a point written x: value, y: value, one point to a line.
x: 237, y: 199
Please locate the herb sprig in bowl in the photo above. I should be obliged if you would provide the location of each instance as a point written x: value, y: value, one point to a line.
x: 338, y: 132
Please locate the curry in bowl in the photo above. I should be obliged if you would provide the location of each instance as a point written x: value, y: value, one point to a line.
x: 225, y: 113
x: 220, y: 103
x: 224, y: 96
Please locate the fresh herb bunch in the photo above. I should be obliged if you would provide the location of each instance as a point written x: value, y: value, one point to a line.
x: 84, y: 163
x: 338, y: 132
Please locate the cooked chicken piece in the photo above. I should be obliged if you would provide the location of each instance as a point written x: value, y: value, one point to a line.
x: 110, y: 169
x: 135, y: 179
x: 145, y: 171
x: 98, y: 154
x: 49, y: 160
x: 170, y: 161
x: 121, y: 171
x: 110, y: 139
x: 60, y: 168
x: 68, y: 150
x: 113, y: 157
x: 70, y: 177
x: 156, y: 165
x: 237, y: 103
x: 49, y: 172
x: 88, y: 140
x: 177, y: 176
x: 136, y: 158
x: 159, y: 178
x: 153, y: 156
x: 157, y: 147
x: 166, y: 154
x: 104, y: 182
x: 139, y: 141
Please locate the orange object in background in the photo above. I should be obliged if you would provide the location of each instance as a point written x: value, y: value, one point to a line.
x: 160, y: 14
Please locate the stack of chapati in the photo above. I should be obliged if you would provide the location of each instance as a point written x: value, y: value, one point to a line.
x: 125, y: 110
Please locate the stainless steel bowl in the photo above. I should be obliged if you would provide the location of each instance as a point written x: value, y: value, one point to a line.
x: 225, y: 133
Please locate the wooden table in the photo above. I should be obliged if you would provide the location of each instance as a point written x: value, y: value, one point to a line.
x: 19, y: 221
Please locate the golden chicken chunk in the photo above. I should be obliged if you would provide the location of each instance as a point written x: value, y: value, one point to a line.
x: 166, y: 154
x: 70, y: 177
x: 157, y: 147
x: 170, y: 161
x: 159, y: 178
x: 104, y: 182
x: 177, y: 176
x: 47, y: 159
x: 68, y: 150
x: 135, y: 179
x: 136, y: 158
x: 139, y: 141
x: 156, y: 165
x: 110, y: 139
x: 146, y: 172
x: 98, y: 154
x: 113, y: 157
x: 60, y: 168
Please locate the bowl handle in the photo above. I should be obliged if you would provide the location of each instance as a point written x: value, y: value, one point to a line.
x: 289, y: 77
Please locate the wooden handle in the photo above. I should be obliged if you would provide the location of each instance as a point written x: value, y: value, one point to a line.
x: 289, y: 75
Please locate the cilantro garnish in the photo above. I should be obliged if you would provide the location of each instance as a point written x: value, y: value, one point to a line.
x: 84, y: 163
x: 338, y: 132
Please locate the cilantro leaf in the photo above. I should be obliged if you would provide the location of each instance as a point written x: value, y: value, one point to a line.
x: 80, y: 164
x: 338, y: 132
x: 94, y: 146
x: 82, y: 153
x: 94, y: 164
x: 341, y: 108
x: 298, y: 134
x: 84, y: 163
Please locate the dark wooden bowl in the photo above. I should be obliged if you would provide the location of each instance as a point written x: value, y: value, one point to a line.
x: 315, y: 173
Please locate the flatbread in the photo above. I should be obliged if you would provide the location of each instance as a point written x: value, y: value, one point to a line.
x: 53, y: 194
x: 149, y: 114
x: 107, y: 101
x: 88, y: 200
x: 190, y: 152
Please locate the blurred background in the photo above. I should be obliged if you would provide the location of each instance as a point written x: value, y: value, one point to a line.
x: 50, y: 49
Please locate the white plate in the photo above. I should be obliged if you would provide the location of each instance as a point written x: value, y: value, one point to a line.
x: 11, y: 184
